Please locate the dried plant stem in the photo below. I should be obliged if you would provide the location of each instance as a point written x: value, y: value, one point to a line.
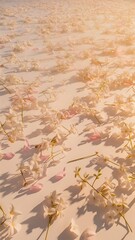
x: 2, y: 126
x: 65, y: 128
x: 3, y: 216
x: 3, y: 222
x: 130, y: 138
x: 2, y: 84
x: 2, y: 210
x: 130, y: 141
x: 94, y: 181
x: 53, y: 155
x: 22, y: 174
x: 48, y: 227
x: 94, y: 115
x: 97, y: 119
x: 91, y: 185
x: 122, y: 215
x: 22, y: 114
x: 98, y: 192
x: 52, y: 152
x: 116, y: 164
x: 81, y: 158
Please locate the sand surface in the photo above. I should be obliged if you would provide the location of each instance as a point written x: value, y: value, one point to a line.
x: 67, y: 108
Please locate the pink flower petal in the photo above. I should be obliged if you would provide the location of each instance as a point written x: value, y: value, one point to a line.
x: 73, y: 111
x: 36, y: 187
x: 44, y: 158
x: 88, y: 235
x: 60, y: 175
x: 95, y: 136
x: 26, y: 145
x: 8, y: 156
x: 35, y: 49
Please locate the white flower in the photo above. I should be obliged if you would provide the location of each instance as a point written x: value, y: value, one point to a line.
x: 11, y: 117
x: 54, y: 205
x: 125, y: 181
x: 36, y: 169
x: 74, y: 229
x: 110, y: 217
x: 1, y: 154
x: 14, y: 213
x: 87, y: 234
x: 96, y: 199
x: 43, y: 145
x: 8, y: 220
x: 121, y: 204
x: 13, y: 226
x: 104, y: 159
x: 24, y: 166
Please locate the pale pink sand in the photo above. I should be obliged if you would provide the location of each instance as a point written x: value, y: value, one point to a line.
x: 62, y: 45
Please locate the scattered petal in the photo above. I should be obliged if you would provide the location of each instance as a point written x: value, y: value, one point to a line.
x: 44, y: 158
x: 8, y: 156
x: 88, y: 234
x: 26, y: 145
x: 95, y: 136
x: 60, y: 175
x: 13, y: 212
x: 36, y: 187
x: 13, y: 227
x: 35, y: 49
x: 74, y: 229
